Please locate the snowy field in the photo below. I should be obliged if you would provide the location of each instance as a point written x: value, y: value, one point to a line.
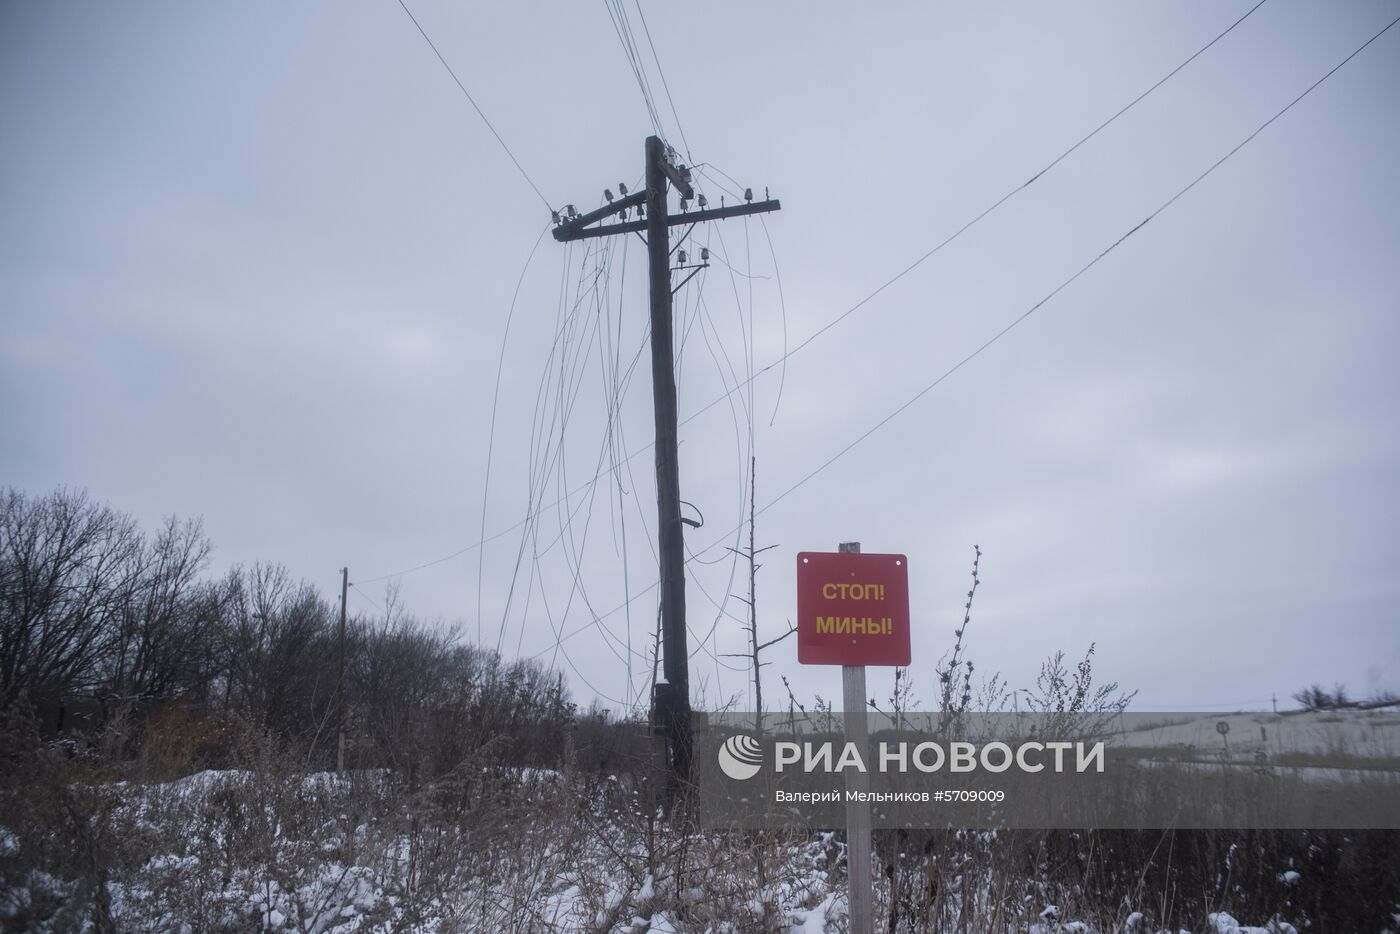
x: 535, y: 850
x: 1354, y: 734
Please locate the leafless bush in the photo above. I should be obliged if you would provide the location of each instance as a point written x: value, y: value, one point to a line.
x: 1316, y: 697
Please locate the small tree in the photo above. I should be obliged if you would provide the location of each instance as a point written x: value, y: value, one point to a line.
x: 755, y: 647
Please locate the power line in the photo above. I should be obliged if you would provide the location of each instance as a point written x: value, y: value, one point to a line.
x: 618, y: 14
x: 523, y: 174
x: 782, y: 360
x: 782, y: 303
x: 787, y: 354
x: 1028, y: 312
x: 664, y: 86
x: 547, y: 456
x: 491, y: 433
x: 366, y: 597
x: 1004, y: 198
x: 1131, y: 104
x: 550, y: 459
x: 531, y: 514
x: 1083, y: 269
x: 554, y: 402
x: 700, y: 640
x: 570, y: 378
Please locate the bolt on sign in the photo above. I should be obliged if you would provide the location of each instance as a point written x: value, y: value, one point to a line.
x: 852, y: 609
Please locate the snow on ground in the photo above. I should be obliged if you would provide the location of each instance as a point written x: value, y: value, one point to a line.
x: 814, y: 920
x: 1352, y: 733
x: 1222, y: 923
x: 318, y: 874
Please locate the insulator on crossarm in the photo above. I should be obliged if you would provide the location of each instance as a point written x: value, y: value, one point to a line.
x: 622, y: 187
x: 704, y: 254
x: 702, y: 201
x: 748, y: 194
x: 680, y: 255
x: 607, y: 193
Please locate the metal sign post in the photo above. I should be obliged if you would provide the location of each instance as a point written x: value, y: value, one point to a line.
x: 853, y: 611
x: 860, y: 895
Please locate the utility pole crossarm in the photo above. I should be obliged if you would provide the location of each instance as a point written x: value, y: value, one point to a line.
x: 583, y: 220
x: 679, y: 176
x: 574, y: 231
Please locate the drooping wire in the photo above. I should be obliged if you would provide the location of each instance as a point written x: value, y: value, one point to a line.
x: 702, y: 168
x: 539, y: 459
x: 1032, y: 309
x: 616, y: 392
x: 748, y: 363
x: 599, y: 285
x: 782, y: 304
x: 491, y: 432
x: 475, y: 106
x: 565, y: 396
x: 562, y: 381
x: 695, y: 310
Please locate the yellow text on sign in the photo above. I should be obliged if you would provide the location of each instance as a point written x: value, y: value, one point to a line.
x: 854, y: 626
x: 845, y: 591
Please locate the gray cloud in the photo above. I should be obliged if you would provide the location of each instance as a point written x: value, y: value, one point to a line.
x: 257, y: 266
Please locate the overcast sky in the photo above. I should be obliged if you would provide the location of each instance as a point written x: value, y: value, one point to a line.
x: 257, y: 264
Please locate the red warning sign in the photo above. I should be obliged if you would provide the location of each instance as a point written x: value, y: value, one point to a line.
x: 852, y: 609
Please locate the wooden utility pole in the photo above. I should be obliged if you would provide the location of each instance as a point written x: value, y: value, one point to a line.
x: 340, y: 677
x: 671, y: 703
x: 859, y: 886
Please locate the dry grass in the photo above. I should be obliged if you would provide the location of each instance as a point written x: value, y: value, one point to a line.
x: 267, y: 845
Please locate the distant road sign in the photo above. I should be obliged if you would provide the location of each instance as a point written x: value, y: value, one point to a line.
x: 852, y: 609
